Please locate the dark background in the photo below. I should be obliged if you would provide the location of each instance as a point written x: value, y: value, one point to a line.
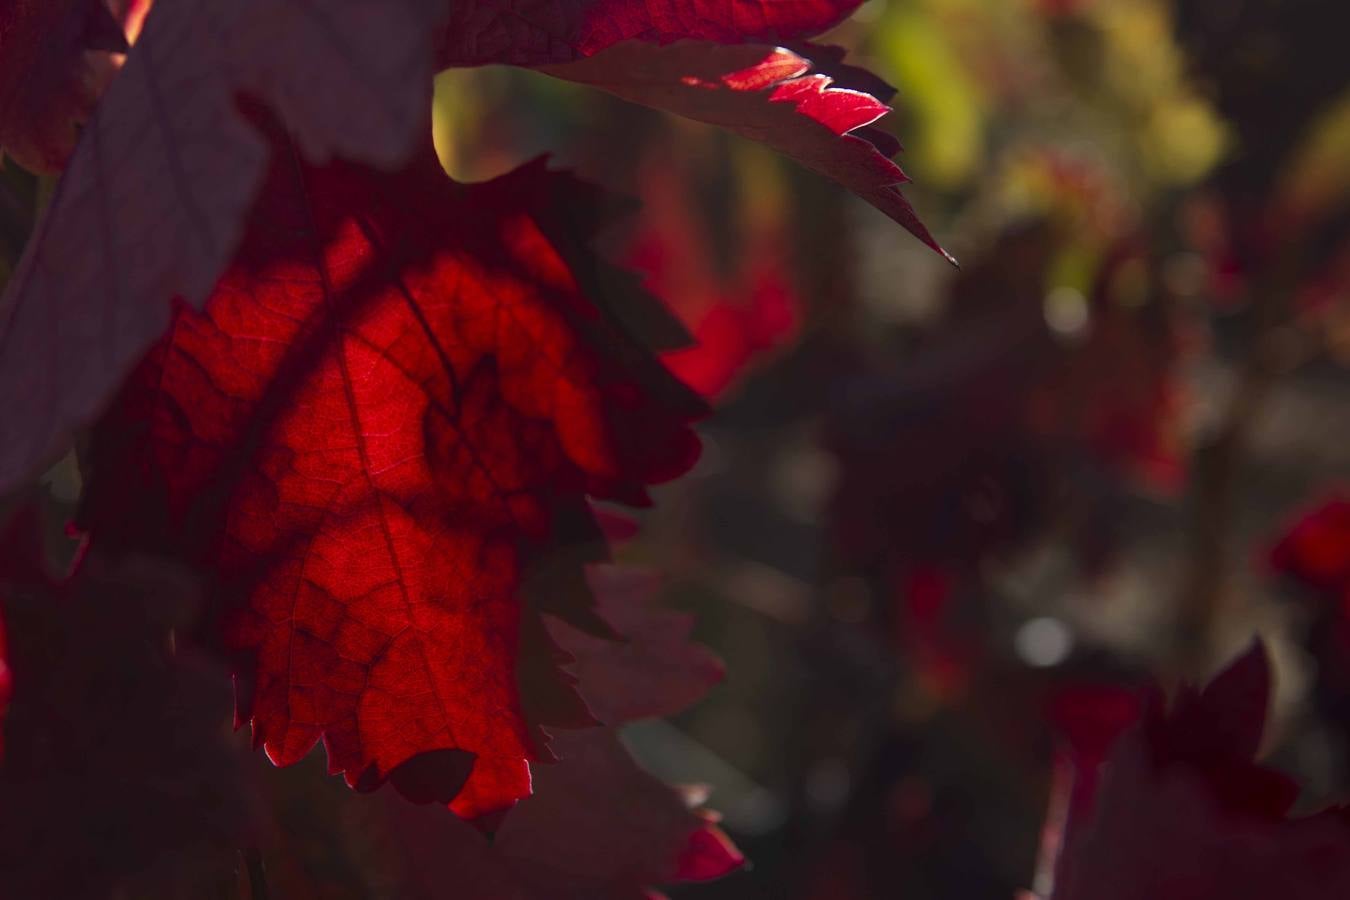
x: 936, y: 506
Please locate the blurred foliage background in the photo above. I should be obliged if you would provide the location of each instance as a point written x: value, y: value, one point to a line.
x: 941, y: 513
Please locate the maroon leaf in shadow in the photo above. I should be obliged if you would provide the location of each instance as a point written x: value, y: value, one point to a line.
x: 1185, y: 813
x: 119, y: 776
x: 597, y: 824
x: 153, y: 201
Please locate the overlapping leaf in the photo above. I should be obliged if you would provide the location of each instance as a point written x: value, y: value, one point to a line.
x: 153, y: 200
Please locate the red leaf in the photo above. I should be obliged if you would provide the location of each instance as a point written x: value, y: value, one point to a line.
x: 47, y: 82
x: 153, y: 200
x: 394, y: 408
x: 539, y: 32
x: 1185, y: 812
x: 118, y: 777
x: 766, y: 94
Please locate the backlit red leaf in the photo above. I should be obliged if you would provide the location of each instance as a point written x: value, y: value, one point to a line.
x: 381, y: 433
x: 767, y: 94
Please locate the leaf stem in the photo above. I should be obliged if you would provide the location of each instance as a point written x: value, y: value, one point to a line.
x: 257, y: 876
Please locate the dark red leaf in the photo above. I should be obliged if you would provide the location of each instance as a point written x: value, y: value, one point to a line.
x: 1185, y: 812
x: 394, y: 409
x: 119, y: 776
x: 1225, y: 720
x: 153, y: 201
x: 47, y: 81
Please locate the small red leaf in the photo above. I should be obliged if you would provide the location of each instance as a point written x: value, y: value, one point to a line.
x: 766, y: 94
x: 394, y: 408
